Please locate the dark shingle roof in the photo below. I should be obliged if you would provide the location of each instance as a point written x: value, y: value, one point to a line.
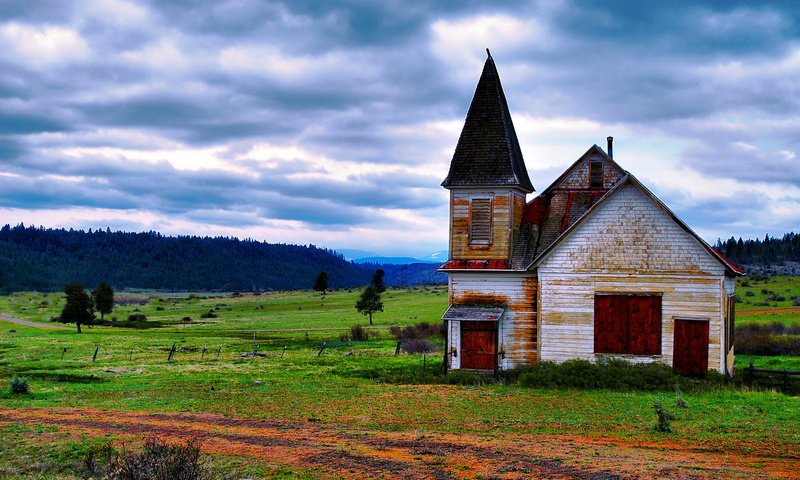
x: 488, y: 151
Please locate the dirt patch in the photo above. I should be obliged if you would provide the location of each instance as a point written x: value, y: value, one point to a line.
x: 341, y: 451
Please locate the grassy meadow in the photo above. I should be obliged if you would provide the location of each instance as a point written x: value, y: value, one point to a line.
x: 353, y: 385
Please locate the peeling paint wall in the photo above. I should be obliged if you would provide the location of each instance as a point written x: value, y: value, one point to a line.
x: 517, y: 328
x: 629, y: 245
x: 507, y: 209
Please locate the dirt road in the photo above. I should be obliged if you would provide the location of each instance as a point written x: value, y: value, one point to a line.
x: 342, y: 451
x: 5, y: 318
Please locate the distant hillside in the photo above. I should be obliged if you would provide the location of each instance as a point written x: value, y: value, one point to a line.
x: 45, y: 259
x: 771, y: 256
x: 409, y: 274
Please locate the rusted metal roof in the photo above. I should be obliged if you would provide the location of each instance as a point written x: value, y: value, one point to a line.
x: 492, y: 264
x: 473, y: 313
x: 488, y: 152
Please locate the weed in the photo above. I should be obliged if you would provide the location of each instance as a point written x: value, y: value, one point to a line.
x: 417, y: 345
x: 664, y: 416
x: 680, y: 402
x: 157, y: 460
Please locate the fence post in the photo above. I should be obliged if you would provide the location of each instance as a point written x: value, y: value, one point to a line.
x: 397, y: 348
x: 203, y: 353
x: 218, y: 351
x: 255, y: 347
x: 63, y: 351
x: 130, y: 358
x: 94, y: 357
x: 171, y: 352
x: 284, y: 350
x: 322, y: 349
x: 752, y: 373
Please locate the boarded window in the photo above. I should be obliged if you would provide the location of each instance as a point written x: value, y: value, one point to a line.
x: 480, y: 231
x: 627, y: 324
x: 595, y: 174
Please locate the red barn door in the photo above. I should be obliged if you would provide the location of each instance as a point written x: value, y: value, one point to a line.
x: 479, y: 345
x: 690, y: 355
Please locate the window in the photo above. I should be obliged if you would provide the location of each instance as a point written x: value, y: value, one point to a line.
x: 480, y: 227
x: 627, y: 324
x: 595, y: 174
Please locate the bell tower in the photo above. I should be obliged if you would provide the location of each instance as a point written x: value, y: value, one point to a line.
x: 488, y: 180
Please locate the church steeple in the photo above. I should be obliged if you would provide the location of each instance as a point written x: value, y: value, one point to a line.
x: 488, y: 152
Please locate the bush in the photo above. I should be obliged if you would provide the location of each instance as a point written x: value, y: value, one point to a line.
x: 773, y: 338
x: 749, y: 294
x: 463, y: 377
x: 137, y: 317
x: 359, y: 333
x: 420, y: 330
x: 186, y: 319
x: 209, y: 314
x: 157, y: 460
x: 19, y: 385
x: 417, y: 345
x: 609, y: 373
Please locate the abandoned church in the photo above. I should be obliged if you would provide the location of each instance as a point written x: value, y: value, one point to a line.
x: 594, y: 266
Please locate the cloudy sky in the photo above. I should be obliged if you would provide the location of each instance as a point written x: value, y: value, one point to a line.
x: 333, y: 123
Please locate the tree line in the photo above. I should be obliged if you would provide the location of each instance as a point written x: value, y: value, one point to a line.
x: 770, y: 250
x: 36, y: 258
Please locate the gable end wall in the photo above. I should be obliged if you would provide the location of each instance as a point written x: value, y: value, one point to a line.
x: 629, y: 245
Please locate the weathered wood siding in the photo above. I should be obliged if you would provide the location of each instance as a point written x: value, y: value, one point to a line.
x: 517, y: 328
x: 629, y: 245
x: 507, y: 209
x: 579, y: 177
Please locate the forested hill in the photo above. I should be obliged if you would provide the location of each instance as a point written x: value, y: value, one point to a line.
x: 46, y: 259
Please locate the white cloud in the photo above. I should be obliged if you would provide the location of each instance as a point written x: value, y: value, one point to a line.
x: 41, y: 46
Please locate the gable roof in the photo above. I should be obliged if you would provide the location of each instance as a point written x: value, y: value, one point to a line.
x: 629, y: 179
x: 488, y: 152
x: 593, y: 150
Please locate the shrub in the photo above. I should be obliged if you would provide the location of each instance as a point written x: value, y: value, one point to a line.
x: 359, y: 333
x: 209, y: 314
x: 749, y: 294
x: 463, y: 377
x: 610, y: 373
x: 420, y: 330
x: 664, y: 416
x: 19, y: 385
x: 773, y: 338
x: 157, y: 460
x: 159, y: 308
x: 417, y: 345
x: 137, y: 317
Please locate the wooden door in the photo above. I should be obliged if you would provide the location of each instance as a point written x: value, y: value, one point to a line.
x: 690, y: 354
x: 479, y: 345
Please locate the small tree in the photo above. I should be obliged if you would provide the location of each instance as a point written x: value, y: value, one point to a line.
x: 79, y: 308
x: 103, y: 297
x: 369, y: 302
x: 321, y: 283
x: 377, y: 280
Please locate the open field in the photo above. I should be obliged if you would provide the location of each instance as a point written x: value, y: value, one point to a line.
x: 356, y: 410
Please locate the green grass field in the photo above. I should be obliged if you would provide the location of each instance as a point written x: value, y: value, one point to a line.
x: 343, y: 388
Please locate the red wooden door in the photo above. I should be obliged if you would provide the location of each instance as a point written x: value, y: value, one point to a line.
x: 690, y: 353
x: 478, y: 345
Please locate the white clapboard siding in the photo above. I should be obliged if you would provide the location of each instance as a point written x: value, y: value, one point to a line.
x: 629, y: 245
x: 517, y: 328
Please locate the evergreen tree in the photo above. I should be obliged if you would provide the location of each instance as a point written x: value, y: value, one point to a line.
x: 377, y: 280
x: 79, y: 308
x: 321, y: 283
x: 103, y: 297
x: 369, y: 302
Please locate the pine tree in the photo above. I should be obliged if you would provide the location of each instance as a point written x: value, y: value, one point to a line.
x: 321, y: 283
x: 377, y: 280
x: 103, y: 297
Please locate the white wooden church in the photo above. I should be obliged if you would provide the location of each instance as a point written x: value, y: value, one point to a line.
x: 594, y: 266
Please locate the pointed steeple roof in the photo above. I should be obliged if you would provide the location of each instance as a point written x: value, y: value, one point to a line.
x: 488, y: 151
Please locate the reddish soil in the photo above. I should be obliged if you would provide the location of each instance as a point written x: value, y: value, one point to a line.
x: 763, y: 311
x: 341, y: 451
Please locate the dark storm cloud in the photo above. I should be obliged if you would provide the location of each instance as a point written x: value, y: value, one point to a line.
x: 356, y: 81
